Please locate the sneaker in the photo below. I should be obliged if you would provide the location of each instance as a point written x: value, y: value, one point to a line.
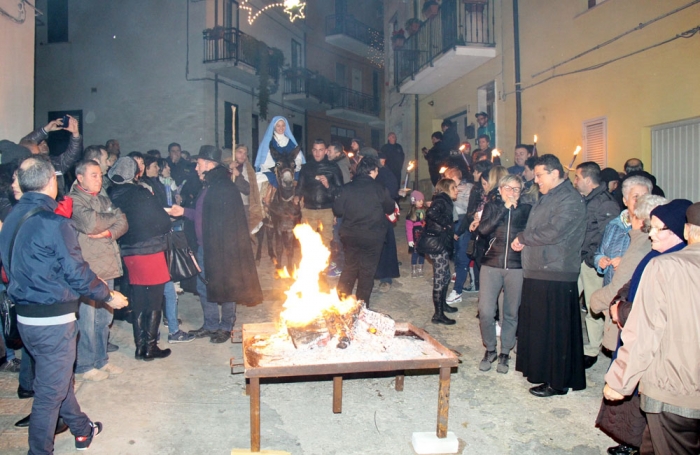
x: 220, y: 336
x: 503, y: 363
x: 333, y: 272
x: 11, y: 366
x: 95, y: 375
x: 453, y: 298
x: 498, y: 329
x: 111, y: 347
x: 201, y: 332
x: 489, y: 358
x: 83, y: 442
x: 112, y: 369
x: 180, y: 337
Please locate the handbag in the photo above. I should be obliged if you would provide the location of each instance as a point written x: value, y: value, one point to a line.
x: 182, y: 263
x: 8, y: 312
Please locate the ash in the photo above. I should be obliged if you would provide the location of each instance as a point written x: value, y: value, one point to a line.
x: 278, y: 350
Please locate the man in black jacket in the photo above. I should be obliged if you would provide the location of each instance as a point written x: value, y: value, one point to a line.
x: 47, y: 275
x: 320, y: 181
x: 601, y: 208
x: 436, y: 156
x: 395, y: 156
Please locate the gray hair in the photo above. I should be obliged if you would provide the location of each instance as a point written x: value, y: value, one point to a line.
x: 510, y: 178
x: 645, y: 204
x: 34, y: 174
x: 635, y: 180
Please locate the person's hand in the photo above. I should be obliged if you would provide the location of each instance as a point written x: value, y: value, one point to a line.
x: 178, y: 199
x: 611, y: 394
x: 72, y: 126
x: 296, y: 200
x: 516, y: 245
x: 101, y: 235
x: 411, y: 244
x: 474, y: 225
x: 615, y: 262
x: 235, y: 172
x: 604, y: 262
x: 511, y: 203
x: 456, y: 237
x: 176, y: 211
x: 54, y: 125
x: 118, y: 300
x: 323, y: 179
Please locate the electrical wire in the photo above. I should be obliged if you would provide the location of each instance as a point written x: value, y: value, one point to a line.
x: 687, y: 34
x: 21, y: 15
x: 612, y: 40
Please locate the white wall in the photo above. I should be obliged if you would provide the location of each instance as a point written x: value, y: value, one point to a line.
x: 16, y: 73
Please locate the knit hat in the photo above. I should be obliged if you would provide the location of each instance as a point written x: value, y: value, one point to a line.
x: 673, y: 215
x: 123, y: 171
x: 369, y: 151
x: 693, y: 214
x: 416, y: 196
x: 12, y: 152
x: 608, y: 175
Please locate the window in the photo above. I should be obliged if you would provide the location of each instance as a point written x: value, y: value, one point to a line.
x: 675, y: 158
x: 298, y: 133
x: 595, y: 141
x: 342, y: 135
x: 296, y: 54
x: 340, y: 71
x: 57, y: 21
x: 229, y: 124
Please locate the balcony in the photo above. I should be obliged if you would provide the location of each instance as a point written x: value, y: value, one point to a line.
x: 448, y: 46
x: 355, y: 106
x: 232, y: 54
x: 307, y: 90
x: 346, y: 32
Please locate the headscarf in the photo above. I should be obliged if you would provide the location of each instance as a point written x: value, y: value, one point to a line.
x: 264, y: 148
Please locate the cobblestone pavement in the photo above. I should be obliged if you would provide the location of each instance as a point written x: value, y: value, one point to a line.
x: 189, y: 403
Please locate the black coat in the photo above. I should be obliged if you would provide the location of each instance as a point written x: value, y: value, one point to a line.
x: 228, y: 252
x: 363, y: 204
x: 436, y: 156
x: 316, y: 196
x: 450, y: 139
x: 395, y: 158
x: 500, y: 226
x: 148, y: 222
x: 601, y: 208
x: 388, y: 266
x: 438, y: 219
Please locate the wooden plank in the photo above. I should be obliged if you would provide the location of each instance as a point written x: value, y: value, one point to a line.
x: 443, y: 402
x: 337, y: 394
x: 255, y: 415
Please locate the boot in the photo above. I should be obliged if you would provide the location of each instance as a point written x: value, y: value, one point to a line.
x: 414, y: 270
x: 420, y: 270
x: 138, y: 323
x: 152, y: 349
x: 445, y: 307
x: 439, y: 316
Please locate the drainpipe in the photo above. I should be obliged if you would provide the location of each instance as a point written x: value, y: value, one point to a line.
x: 518, y: 96
x: 216, y: 110
x: 416, y: 145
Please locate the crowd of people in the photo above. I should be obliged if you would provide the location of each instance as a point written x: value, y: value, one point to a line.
x: 538, y: 247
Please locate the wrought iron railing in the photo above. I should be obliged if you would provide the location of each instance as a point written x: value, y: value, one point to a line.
x: 355, y: 101
x: 230, y: 44
x: 346, y: 24
x: 457, y: 23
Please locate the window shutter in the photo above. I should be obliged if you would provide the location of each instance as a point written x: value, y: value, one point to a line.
x: 595, y: 141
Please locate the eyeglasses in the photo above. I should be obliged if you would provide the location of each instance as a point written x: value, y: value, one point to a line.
x: 516, y: 189
x: 655, y: 229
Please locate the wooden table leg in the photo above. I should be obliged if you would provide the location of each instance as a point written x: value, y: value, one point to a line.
x: 247, y: 387
x: 337, y: 394
x: 443, y: 402
x: 399, y: 383
x: 254, y: 414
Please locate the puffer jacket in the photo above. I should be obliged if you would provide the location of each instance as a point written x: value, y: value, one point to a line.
x: 554, y: 235
x: 316, y: 196
x: 93, y: 214
x: 601, y: 209
x: 500, y: 226
x: 438, y: 217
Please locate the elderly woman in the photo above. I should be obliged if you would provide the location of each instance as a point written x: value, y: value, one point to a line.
x: 362, y: 204
x: 436, y: 242
x: 622, y: 420
x: 142, y: 249
x: 502, y: 220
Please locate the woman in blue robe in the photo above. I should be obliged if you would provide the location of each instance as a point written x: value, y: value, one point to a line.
x: 278, y: 136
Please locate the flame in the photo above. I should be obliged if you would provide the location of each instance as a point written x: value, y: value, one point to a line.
x: 535, y: 139
x: 284, y: 273
x: 443, y: 169
x: 351, y: 155
x: 578, y: 149
x: 305, y: 300
x: 462, y: 147
x: 495, y: 153
x: 411, y: 165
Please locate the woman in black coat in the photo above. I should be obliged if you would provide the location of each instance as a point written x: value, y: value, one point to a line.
x: 436, y: 242
x: 502, y: 220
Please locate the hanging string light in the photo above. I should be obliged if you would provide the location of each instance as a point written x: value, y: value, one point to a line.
x: 294, y: 8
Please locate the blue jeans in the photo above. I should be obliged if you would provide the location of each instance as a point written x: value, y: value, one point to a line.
x: 93, y: 323
x: 417, y: 258
x: 212, y: 320
x: 171, y: 307
x: 53, y: 347
x: 461, y: 259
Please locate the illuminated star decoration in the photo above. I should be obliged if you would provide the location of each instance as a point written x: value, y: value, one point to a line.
x: 294, y: 8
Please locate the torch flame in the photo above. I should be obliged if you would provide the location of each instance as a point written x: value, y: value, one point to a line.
x: 351, y: 155
x: 578, y: 149
x: 495, y: 153
x: 305, y: 300
x: 462, y: 147
x: 535, y: 139
x: 411, y: 165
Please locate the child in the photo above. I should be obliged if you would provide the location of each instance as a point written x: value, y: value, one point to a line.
x: 415, y: 220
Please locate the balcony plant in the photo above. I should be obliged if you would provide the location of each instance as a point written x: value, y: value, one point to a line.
x: 215, y: 33
x: 398, y: 38
x: 413, y: 25
x: 430, y: 8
